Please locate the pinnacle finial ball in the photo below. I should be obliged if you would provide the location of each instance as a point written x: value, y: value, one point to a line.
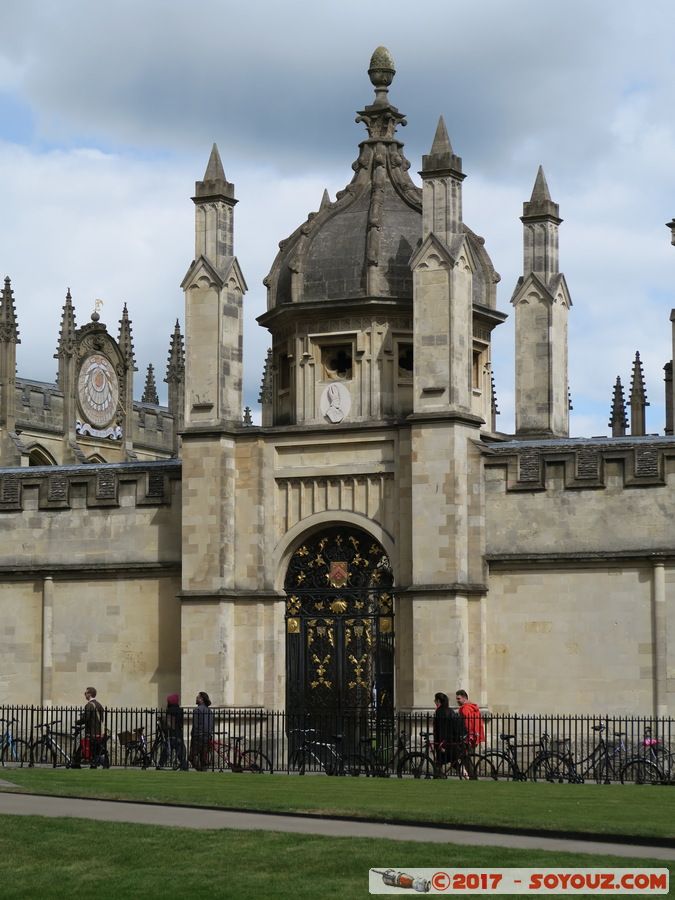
x: 381, y: 70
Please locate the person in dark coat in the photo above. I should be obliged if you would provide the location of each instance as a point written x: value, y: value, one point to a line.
x: 203, y: 724
x: 449, y: 732
x: 173, y: 732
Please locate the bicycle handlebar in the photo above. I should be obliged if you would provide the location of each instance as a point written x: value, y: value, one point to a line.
x: 49, y: 724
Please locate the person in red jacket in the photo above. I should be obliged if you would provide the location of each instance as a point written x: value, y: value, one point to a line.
x: 472, y: 718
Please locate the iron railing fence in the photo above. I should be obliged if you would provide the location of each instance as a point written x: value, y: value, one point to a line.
x: 595, y: 747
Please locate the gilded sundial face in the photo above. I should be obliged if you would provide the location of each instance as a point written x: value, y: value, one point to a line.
x: 98, y: 390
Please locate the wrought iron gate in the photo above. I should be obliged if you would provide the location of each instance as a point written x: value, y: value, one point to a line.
x: 340, y: 625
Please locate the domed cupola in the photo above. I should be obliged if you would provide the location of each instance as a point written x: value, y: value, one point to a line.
x: 342, y: 303
x: 359, y: 246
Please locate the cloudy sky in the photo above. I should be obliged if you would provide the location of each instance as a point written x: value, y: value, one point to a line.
x: 108, y: 113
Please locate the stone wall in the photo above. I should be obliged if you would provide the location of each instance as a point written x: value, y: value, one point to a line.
x: 89, y: 578
x: 581, y: 605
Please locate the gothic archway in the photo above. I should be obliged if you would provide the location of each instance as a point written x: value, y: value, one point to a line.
x: 340, y: 625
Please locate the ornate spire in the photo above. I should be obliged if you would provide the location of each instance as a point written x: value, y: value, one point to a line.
x: 150, y: 390
x: 125, y: 341
x: 618, y: 421
x: 493, y: 393
x: 638, y: 398
x: 265, y: 395
x: 9, y: 333
x: 67, y: 340
x: 175, y: 370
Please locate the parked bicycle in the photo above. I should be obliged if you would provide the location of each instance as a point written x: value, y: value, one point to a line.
x: 135, y: 747
x: 13, y: 749
x: 315, y: 754
x: 376, y: 760
x: 652, y: 764
x: 430, y: 761
x: 603, y: 764
x: 418, y: 763
x: 547, y: 765
x: 51, y: 747
x: 231, y: 755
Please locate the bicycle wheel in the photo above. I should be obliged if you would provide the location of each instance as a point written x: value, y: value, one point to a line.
x: 417, y: 765
x: 640, y: 771
x: 550, y: 767
x: 155, y: 752
x: 17, y: 752
x: 354, y: 765
x: 136, y: 757
x: 255, y: 761
x: 42, y: 754
x: 496, y: 766
x: 164, y: 755
x: 604, y: 773
x: 664, y: 761
x: 297, y: 762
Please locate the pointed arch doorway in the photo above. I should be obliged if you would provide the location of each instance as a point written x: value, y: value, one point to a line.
x: 340, y: 625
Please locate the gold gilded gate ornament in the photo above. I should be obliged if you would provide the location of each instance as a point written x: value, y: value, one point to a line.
x: 339, y: 574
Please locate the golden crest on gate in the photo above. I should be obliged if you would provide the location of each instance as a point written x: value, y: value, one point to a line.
x: 339, y: 574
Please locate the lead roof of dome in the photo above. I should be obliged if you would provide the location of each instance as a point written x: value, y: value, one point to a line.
x: 360, y: 245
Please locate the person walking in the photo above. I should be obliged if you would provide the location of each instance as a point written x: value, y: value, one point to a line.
x: 449, y: 733
x: 472, y: 718
x: 172, y: 723
x: 203, y: 723
x: 93, y: 719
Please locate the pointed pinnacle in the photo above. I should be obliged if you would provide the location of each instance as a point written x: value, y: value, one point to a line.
x: 441, y: 142
x: 215, y: 184
x: 442, y: 157
x: 540, y: 191
x: 214, y: 168
x: 540, y: 203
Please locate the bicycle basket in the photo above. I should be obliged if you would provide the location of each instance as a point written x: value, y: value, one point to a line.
x: 125, y: 737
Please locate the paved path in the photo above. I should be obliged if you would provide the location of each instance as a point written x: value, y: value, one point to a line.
x: 197, y: 817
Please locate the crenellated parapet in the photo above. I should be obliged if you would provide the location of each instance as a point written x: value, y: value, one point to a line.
x: 91, y: 486
x: 586, y: 464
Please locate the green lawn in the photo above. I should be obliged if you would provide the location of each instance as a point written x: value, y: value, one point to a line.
x: 61, y: 858
x: 55, y: 859
x: 610, y: 809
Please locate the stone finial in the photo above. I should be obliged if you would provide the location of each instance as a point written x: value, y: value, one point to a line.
x: 9, y: 333
x: 381, y: 118
x: 638, y: 399
x: 381, y: 73
x: 618, y: 421
x: 175, y: 370
x: 265, y: 395
x: 67, y: 340
x: 125, y: 341
x: 150, y: 391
